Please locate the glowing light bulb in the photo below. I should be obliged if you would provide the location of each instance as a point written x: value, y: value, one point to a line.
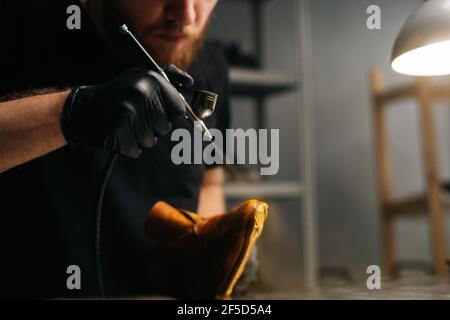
x: 429, y: 60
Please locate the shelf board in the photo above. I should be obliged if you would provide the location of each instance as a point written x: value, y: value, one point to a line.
x: 246, y: 81
x: 263, y: 189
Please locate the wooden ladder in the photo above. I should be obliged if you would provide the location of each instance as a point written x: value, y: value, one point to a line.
x: 432, y: 201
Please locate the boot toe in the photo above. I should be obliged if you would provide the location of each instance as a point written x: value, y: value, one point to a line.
x: 209, y: 261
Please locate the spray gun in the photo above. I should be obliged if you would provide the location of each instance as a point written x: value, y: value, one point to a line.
x: 203, y: 106
x: 204, y: 102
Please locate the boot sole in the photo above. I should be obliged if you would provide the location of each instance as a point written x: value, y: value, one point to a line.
x: 254, y: 230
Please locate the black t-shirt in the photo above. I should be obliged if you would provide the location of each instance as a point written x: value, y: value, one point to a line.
x: 47, y: 207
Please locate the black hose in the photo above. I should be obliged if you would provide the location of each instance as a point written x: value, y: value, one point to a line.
x: 101, y: 192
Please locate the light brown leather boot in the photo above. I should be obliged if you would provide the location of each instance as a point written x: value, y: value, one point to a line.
x: 208, y: 254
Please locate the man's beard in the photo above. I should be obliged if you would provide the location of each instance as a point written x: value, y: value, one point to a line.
x: 163, y: 54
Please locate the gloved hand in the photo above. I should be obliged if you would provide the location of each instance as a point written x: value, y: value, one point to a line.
x: 127, y: 113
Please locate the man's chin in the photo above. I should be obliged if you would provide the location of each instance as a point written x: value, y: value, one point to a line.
x: 180, y: 54
x: 178, y: 59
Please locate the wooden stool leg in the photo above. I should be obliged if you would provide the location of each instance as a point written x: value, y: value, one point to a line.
x: 389, y: 251
x: 384, y: 172
x: 434, y: 199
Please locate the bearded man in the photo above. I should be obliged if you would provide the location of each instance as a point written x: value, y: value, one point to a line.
x: 69, y: 99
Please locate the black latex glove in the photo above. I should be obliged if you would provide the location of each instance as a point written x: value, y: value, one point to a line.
x: 125, y: 114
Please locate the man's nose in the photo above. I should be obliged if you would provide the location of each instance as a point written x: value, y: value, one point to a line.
x: 182, y: 11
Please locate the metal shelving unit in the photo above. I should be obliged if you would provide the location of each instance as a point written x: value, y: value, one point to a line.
x: 259, y: 85
x: 251, y: 82
x: 265, y: 190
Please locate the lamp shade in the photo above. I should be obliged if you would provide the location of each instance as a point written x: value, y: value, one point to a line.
x: 423, y: 46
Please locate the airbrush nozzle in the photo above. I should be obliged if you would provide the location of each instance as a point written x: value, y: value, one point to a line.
x: 124, y: 29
